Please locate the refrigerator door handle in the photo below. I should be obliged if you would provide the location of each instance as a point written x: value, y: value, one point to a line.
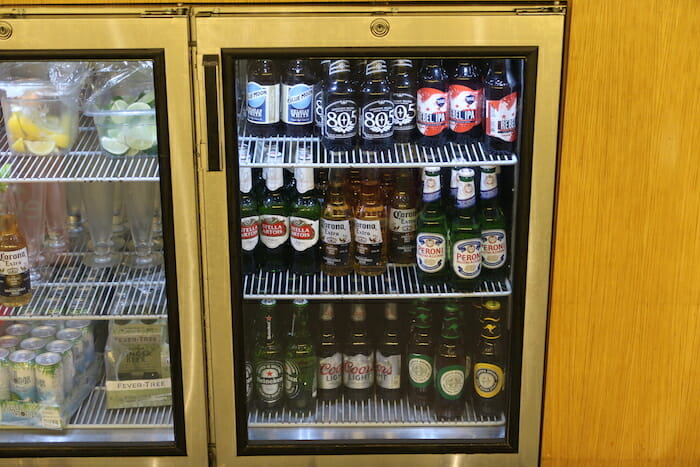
x: 210, y: 64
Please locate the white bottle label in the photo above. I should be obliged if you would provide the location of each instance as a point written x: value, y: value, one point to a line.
x: 270, y: 380
x: 493, y: 248
x: 368, y: 232
x: 274, y: 230
x: 249, y: 232
x: 388, y: 371
x: 450, y: 382
x: 466, y: 258
x: 358, y: 371
x: 402, y: 220
x: 420, y: 370
x: 330, y: 371
x: 501, y: 117
x: 430, y: 252
x: 263, y: 103
x: 335, y: 232
x: 14, y: 262
x: 303, y: 232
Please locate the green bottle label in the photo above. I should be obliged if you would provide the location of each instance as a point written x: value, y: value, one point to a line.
x: 450, y: 382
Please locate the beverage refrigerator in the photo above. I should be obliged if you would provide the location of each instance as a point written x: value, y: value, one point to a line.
x: 102, y: 354
x: 377, y: 194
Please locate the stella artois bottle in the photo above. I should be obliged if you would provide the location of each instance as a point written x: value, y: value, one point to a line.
x: 304, y: 219
x: 250, y: 220
x: 274, y: 219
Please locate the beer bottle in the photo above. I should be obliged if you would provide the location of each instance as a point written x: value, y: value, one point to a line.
x: 330, y: 364
x: 419, y: 361
x: 494, y: 247
x: 249, y: 346
x: 340, y: 119
x: 371, y: 235
x: 388, y: 358
x: 466, y: 236
x: 263, y: 98
x: 353, y: 186
x: 501, y: 108
x: 431, y: 118
x: 336, y: 228
x: 274, y: 218
x: 321, y: 178
x: 304, y: 219
x: 386, y: 185
x: 250, y: 220
x: 358, y: 358
x: 402, y: 220
x: 15, y: 286
x: 431, y: 237
x: 466, y: 103
x: 403, y: 95
x: 318, y: 96
x: 300, y: 364
x: 268, y: 360
x: 376, y: 109
x: 449, y: 368
x: 298, y: 98
x: 489, y: 365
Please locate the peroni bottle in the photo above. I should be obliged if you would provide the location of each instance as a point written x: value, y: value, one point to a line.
x: 300, y: 362
x: 466, y: 103
x: 250, y: 219
x: 376, y: 109
x: 330, y: 363
x: 263, y: 98
x: 337, y: 245
x: 403, y: 95
x: 358, y: 358
x: 432, y: 236
x: 304, y: 219
x: 465, y: 236
x: 15, y: 285
x: 371, y: 236
x: 268, y: 360
x: 340, y: 119
x: 494, y: 246
x: 297, y: 98
x: 489, y: 365
x: 402, y: 219
x: 432, y: 102
x: 419, y: 362
x: 388, y: 357
x: 274, y: 219
x: 449, y: 369
x: 501, y: 108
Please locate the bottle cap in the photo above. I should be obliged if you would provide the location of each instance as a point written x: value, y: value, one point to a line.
x: 327, y: 312
x: 492, y: 305
x: 390, y: 311
x: 358, y: 312
x: 268, y: 302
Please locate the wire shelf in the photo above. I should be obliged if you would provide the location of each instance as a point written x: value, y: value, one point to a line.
x: 400, y: 155
x: 84, y: 162
x: 396, y: 282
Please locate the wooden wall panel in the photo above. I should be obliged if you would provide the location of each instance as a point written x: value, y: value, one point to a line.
x: 622, y: 382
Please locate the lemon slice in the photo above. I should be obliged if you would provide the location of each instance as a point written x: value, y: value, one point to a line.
x: 141, y: 137
x: 40, y: 148
x: 18, y: 146
x: 113, y: 146
x: 31, y: 129
x: 14, y: 128
x: 62, y: 140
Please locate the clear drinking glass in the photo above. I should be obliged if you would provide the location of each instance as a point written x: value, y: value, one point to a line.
x: 30, y: 215
x: 98, y: 198
x: 74, y: 207
x: 119, y: 229
x: 157, y: 221
x: 139, y: 197
x: 55, y: 207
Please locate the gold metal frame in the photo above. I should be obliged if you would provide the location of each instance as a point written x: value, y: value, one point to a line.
x: 299, y: 27
x: 101, y: 29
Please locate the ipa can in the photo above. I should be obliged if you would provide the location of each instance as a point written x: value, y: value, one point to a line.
x: 63, y: 348
x: 22, y: 380
x: 48, y: 369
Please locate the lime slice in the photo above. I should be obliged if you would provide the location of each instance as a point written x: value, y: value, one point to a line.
x: 132, y: 152
x: 138, y: 106
x: 141, y: 137
x: 148, y: 97
x: 113, y: 146
x: 117, y: 106
x: 40, y: 148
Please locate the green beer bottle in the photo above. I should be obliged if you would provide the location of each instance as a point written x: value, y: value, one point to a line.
x: 450, y: 371
x: 268, y: 360
x: 300, y: 364
x: 431, y: 238
x: 494, y: 248
x: 419, y: 353
x: 274, y: 218
x: 304, y: 219
x: 465, y: 236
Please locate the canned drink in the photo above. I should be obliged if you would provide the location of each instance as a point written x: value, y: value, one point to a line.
x: 22, y: 378
x: 20, y: 330
x: 64, y: 348
x: 4, y: 375
x: 57, y: 324
x: 88, y: 338
x: 49, y: 377
x: 9, y: 342
x: 75, y: 337
x: 43, y: 331
x: 33, y: 343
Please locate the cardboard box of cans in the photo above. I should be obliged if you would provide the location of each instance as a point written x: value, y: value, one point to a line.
x: 47, y: 369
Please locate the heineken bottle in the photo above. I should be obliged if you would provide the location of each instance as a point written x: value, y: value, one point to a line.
x: 431, y: 237
x: 465, y: 236
x: 494, y: 249
x: 419, y: 361
x: 450, y: 371
x: 304, y: 219
x: 268, y: 360
x: 300, y: 362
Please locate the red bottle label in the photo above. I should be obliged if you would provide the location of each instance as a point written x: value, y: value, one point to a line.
x: 501, y: 118
x: 465, y: 108
x: 432, y: 111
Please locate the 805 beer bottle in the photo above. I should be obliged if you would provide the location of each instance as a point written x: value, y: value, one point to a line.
x: 340, y: 116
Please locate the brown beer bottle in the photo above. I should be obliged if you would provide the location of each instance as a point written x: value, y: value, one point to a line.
x: 388, y: 358
x: 337, y: 247
x: 371, y: 235
x: 402, y: 219
x: 15, y: 286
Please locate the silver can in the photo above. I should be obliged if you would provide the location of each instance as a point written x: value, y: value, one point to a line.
x: 49, y: 378
x: 22, y: 378
x: 57, y: 324
x: 75, y: 337
x: 9, y: 342
x: 88, y: 338
x: 20, y: 330
x: 43, y: 331
x: 33, y: 343
x: 64, y: 348
x: 4, y: 375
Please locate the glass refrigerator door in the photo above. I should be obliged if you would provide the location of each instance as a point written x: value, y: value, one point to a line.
x: 385, y: 204
x: 93, y: 360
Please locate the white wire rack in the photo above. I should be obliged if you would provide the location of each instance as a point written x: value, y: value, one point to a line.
x: 400, y: 155
x: 84, y: 162
x: 396, y: 282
